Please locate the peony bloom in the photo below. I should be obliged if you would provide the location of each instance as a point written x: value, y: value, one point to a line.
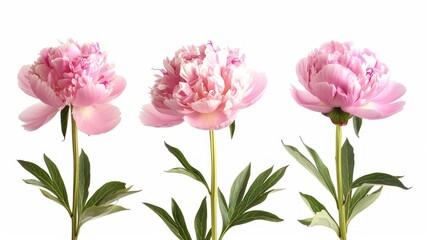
x: 339, y: 76
x: 76, y: 75
x: 204, y: 85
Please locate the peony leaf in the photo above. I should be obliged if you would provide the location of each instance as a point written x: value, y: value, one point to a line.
x: 209, y: 235
x: 256, y: 215
x: 179, y: 155
x: 238, y: 188
x: 34, y: 182
x: 359, y: 193
x: 323, y: 170
x: 51, y: 197
x: 84, y: 180
x: 183, y: 171
x: 180, y: 221
x: 200, y: 222
x: 321, y: 218
x: 232, y: 129
x: 256, y: 194
x: 45, y: 181
x: 104, y: 191
x: 94, y: 212
x: 308, y: 165
x: 357, y: 124
x: 363, y: 203
x: 313, y: 203
x: 378, y: 179
x: 64, y: 120
x: 348, y: 163
x: 57, y: 182
x: 223, y: 206
x: 113, y: 197
x: 168, y: 220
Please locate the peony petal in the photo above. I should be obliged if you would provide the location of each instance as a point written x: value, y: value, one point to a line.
x: 375, y: 111
x: 119, y: 83
x: 259, y: 83
x: 96, y: 119
x: 89, y: 95
x: 149, y: 116
x: 309, y: 101
x: 205, y: 105
x: 210, y: 121
x: 302, y: 72
x: 24, y: 80
x: 37, y: 115
x: 333, y: 85
x: 45, y: 93
x: 390, y: 92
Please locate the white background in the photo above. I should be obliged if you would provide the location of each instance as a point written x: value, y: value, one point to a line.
x: 138, y: 35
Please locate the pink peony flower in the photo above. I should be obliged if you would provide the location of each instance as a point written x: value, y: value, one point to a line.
x: 339, y: 76
x: 204, y: 85
x: 76, y: 75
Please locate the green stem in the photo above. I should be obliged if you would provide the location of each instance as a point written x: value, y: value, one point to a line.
x: 74, y: 216
x: 341, y: 203
x: 213, y: 195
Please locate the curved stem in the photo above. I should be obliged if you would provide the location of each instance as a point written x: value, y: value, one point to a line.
x: 213, y: 195
x: 76, y: 170
x: 340, y: 198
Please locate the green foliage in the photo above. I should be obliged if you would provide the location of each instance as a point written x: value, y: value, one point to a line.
x: 177, y: 224
x: 232, y: 129
x: 235, y: 212
x: 357, y: 193
x: 187, y: 169
x: 357, y: 124
x: 52, y: 187
x: 64, y: 120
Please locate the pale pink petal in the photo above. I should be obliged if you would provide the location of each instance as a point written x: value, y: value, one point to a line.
x: 390, y: 92
x: 37, y: 115
x: 149, y: 116
x: 24, y: 80
x: 309, y: 101
x: 259, y: 83
x: 333, y: 85
x: 210, y: 121
x: 46, y: 94
x: 119, y: 83
x: 302, y: 72
x: 205, y: 105
x: 375, y: 111
x: 89, y: 95
x: 96, y: 119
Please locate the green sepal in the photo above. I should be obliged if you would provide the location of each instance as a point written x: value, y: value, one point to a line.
x: 64, y: 120
x: 188, y: 169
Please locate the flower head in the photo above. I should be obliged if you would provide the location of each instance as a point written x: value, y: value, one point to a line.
x: 76, y: 75
x: 339, y: 76
x: 204, y: 85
